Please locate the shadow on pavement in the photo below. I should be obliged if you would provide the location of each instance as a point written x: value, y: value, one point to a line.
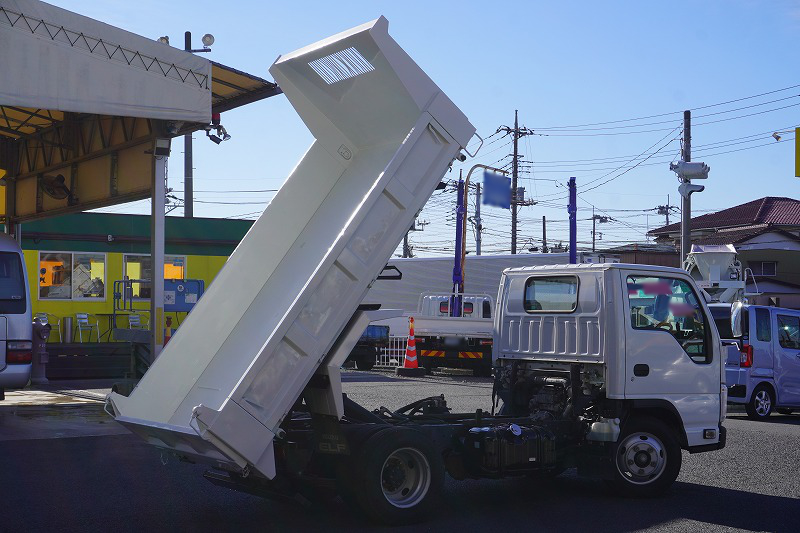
x: 774, y: 418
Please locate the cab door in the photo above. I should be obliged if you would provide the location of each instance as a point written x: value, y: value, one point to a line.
x: 670, y: 351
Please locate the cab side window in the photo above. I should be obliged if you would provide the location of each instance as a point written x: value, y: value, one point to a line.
x: 789, y: 332
x: 763, y: 329
x: 672, y: 306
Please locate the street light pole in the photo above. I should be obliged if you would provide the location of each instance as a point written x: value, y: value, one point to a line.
x: 686, y: 200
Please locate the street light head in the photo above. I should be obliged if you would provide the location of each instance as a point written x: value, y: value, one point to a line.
x: 776, y: 136
x: 694, y: 170
x: 208, y: 39
x: 686, y: 189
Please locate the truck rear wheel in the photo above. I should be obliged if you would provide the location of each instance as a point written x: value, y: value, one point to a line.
x: 398, y: 478
x: 647, y: 458
x: 761, y: 403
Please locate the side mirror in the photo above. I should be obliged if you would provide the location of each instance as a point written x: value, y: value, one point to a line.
x: 737, y: 309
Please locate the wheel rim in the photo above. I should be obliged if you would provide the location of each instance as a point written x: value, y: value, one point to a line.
x: 762, y: 402
x: 405, y: 477
x: 641, y: 458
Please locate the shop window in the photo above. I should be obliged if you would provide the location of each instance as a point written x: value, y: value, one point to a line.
x: 72, y: 276
x: 141, y: 267
x: 88, y: 276
x: 55, y: 276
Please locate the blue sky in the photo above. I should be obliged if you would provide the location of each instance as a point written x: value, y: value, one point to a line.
x: 560, y: 63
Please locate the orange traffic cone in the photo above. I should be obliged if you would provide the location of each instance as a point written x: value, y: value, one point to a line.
x: 411, y: 347
x: 410, y: 366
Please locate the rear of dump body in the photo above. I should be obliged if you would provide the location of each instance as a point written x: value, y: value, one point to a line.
x: 385, y: 134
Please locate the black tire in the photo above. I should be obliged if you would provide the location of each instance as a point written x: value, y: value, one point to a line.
x: 761, y: 403
x: 784, y: 410
x: 647, y: 458
x: 365, y: 363
x: 399, y: 476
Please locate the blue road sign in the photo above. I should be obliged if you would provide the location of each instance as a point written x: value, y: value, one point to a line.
x: 496, y: 190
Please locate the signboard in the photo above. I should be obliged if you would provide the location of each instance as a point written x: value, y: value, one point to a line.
x: 797, y: 152
x: 496, y: 190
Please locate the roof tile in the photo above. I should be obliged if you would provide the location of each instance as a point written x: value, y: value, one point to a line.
x: 771, y: 210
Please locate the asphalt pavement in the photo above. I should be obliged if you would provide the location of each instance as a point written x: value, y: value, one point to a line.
x: 53, y: 479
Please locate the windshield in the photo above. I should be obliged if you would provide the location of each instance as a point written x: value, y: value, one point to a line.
x: 12, y: 287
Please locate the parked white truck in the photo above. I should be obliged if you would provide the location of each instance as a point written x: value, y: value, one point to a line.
x: 610, y: 368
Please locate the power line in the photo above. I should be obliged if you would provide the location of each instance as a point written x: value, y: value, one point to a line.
x: 670, y: 121
x: 672, y: 112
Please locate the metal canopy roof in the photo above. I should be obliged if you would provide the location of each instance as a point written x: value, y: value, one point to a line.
x: 83, y: 102
x: 230, y: 88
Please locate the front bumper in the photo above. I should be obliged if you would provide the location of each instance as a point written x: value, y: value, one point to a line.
x: 723, y: 437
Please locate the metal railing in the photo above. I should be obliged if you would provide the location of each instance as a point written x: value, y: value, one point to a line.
x: 394, y: 354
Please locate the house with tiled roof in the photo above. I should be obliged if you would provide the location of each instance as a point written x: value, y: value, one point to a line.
x: 766, y: 234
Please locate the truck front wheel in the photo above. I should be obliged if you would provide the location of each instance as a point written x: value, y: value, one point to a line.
x: 647, y: 458
x: 399, y: 476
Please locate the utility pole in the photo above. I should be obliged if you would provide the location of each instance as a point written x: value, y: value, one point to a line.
x: 514, y: 175
x: 687, y: 171
x: 595, y: 219
x: 686, y: 200
x: 478, y: 225
x: 188, y: 173
x: 572, y: 209
x: 517, y: 133
x: 544, y: 234
x: 406, y: 249
x: 664, y: 210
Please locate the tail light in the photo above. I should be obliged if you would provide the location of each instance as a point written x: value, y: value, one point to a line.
x: 19, y: 352
x: 746, y: 356
x: 486, y: 342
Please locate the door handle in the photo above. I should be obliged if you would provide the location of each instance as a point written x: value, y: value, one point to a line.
x: 641, y: 370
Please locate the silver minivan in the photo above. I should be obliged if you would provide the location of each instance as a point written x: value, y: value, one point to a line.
x: 15, y: 318
x: 762, y: 370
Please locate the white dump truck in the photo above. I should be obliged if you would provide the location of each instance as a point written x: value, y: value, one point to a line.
x: 600, y: 367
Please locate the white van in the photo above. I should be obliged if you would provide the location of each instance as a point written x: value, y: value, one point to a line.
x: 16, y: 328
x: 763, y: 369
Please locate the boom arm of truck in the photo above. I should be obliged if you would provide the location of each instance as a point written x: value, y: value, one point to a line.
x: 384, y: 136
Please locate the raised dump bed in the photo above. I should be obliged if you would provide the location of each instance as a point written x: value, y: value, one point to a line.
x: 384, y: 136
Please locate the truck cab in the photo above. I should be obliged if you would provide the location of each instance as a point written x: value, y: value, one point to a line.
x: 632, y: 349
